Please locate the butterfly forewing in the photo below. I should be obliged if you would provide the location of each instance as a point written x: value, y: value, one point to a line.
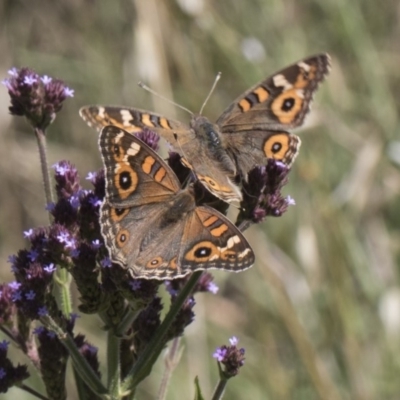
x: 279, y: 102
x: 134, y: 120
x: 132, y: 169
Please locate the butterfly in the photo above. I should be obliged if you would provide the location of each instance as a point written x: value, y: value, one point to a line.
x: 151, y: 225
x: 253, y: 129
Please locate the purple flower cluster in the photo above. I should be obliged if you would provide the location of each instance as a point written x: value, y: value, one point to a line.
x: 231, y: 357
x: 10, y: 375
x: 150, y: 138
x: 36, y: 97
x: 262, y: 192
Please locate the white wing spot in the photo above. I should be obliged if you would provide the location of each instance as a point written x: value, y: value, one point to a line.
x: 133, y: 149
x: 304, y: 66
x: 244, y: 253
x: 101, y: 112
x: 232, y: 241
x: 126, y: 117
x: 280, y: 80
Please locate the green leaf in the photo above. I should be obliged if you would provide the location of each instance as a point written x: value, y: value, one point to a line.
x: 198, y: 394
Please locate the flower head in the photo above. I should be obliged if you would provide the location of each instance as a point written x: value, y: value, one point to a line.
x: 149, y: 137
x: 10, y: 375
x: 262, y: 192
x: 231, y: 357
x: 35, y: 97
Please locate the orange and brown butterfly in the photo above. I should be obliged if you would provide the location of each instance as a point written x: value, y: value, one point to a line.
x: 153, y: 227
x: 253, y: 129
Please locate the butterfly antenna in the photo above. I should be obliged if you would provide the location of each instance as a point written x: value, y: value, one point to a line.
x: 145, y: 87
x: 211, y: 91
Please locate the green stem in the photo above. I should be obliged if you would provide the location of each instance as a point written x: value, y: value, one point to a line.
x: 41, y: 140
x: 219, y: 389
x: 80, y: 364
x: 62, y: 280
x: 150, y: 354
x: 33, y: 392
x: 127, y: 321
x: 113, y: 364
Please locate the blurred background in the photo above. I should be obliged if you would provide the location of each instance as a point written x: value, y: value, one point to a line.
x: 319, y: 313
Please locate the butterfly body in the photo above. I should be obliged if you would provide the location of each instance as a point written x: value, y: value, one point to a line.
x: 153, y: 227
x: 253, y: 129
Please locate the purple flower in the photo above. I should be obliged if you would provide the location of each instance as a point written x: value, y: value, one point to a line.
x: 68, y: 92
x: 30, y: 295
x: 172, y: 291
x: 65, y: 237
x: 37, y: 98
x: 75, y: 202
x: 262, y: 192
x: 91, y: 176
x: 50, y: 207
x: 290, y: 201
x: 14, y: 285
x: 46, y: 79
x: 75, y: 253
x: 212, y: 288
x: 96, y: 244
x: 91, y: 349
x: 16, y: 296
x: 231, y: 357
x: 106, y: 262
x: 74, y: 316
x: 220, y: 354
x: 95, y: 202
x: 49, y: 268
x: 13, y: 71
x: 135, y: 284
x: 42, y: 312
x: 71, y: 244
x: 51, y: 334
x: 233, y: 341
x: 33, y: 255
x: 4, y: 345
x: 30, y: 80
x: 28, y: 234
x: 149, y: 137
x: 12, y: 259
x: 39, y: 330
x: 2, y: 373
x: 61, y: 168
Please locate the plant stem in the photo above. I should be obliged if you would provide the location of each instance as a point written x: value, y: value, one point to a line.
x: 219, y: 389
x: 62, y: 277
x: 150, y: 354
x: 41, y: 140
x: 33, y: 392
x: 80, y: 364
x: 113, y: 364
